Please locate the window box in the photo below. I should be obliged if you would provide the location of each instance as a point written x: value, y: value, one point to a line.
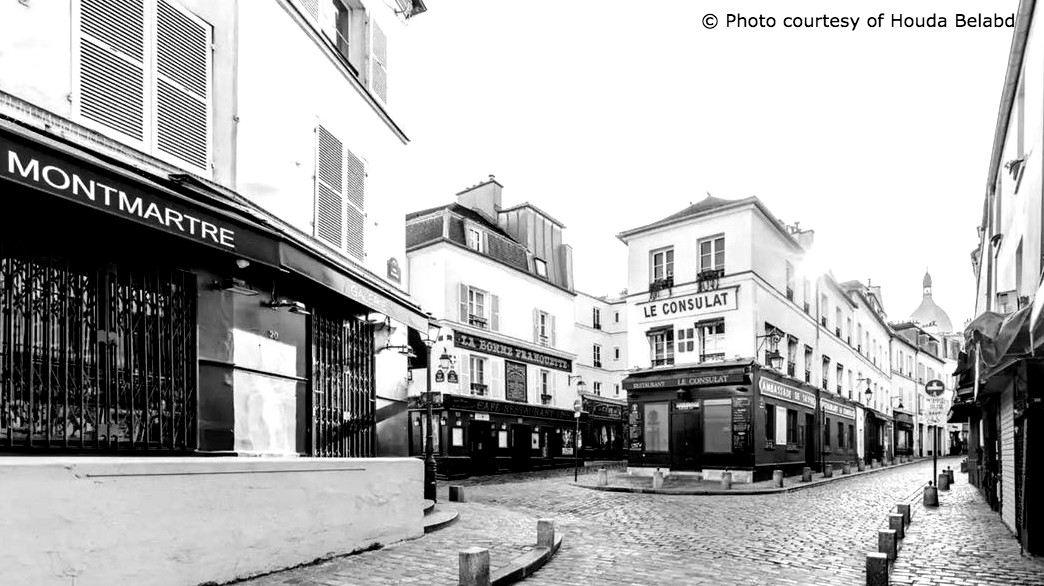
x: 660, y: 285
x: 806, y: 307
x: 478, y: 321
x: 545, y: 399
x: 708, y: 279
x: 790, y: 294
x: 479, y: 389
x: 808, y: 376
x: 716, y: 357
x: 837, y: 332
x: 790, y: 369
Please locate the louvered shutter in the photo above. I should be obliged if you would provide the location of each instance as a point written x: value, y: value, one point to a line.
x: 182, y: 85
x: 311, y: 7
x: 553, y: 341
x: 496, y: 387
x: 111, y: 69
x: 355, y: 183
x: 536, y: 326
x: 329, y: 188
x: 494, y: 313
x: 462, y: 297
x: 465, y: 373
x: 378, y: 62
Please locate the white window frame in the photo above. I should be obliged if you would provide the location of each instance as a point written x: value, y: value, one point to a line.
x: 544, y: 327
x: 596, y: 318
x: 596, y: 355
x: 475, y: 239
x: 483, y: 307
x: 661, y: 347
x: 665, y: 264
x: 685, y: 340
x: 546, y: 384
x: 713, y: 341
x: 717, y: 243
x: 540, y: 265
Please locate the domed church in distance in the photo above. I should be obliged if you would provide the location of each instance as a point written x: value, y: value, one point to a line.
x: 929, y: 315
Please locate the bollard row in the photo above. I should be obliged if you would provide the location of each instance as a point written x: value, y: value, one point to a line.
x: 887, y: 546
x: 473, y: 562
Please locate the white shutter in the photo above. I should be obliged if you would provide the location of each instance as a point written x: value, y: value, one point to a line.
x: 554, y: 342
x: 462, y: 298
x: 378, y: 62
x: 781, y: 425
x: 111, y: 84
x: 311, y: 7
x: 494, y: 313
x: 496, y: 386
x: 355, y: 183
x: 182, y: 85
x: 329, y: 188
x: 536, y: 326
x: 465, y: 373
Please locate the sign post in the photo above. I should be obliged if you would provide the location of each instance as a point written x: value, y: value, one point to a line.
x: 577, y: 406
x: 935, y: 388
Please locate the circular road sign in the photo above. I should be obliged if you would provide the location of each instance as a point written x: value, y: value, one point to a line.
x: 934, y: 387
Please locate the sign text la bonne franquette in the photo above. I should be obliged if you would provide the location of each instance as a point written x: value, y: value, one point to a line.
x: 58, y: 179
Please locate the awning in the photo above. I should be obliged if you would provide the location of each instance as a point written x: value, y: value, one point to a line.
x: 697, y: 375
x: 998, y: 341
x: 961, y: 411
x: 336, y: 278
x: 903, y: 418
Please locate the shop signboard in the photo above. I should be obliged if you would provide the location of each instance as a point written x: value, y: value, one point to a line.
x: 509, y: 351
x: 685, y: 380
x: 515, y: 381
x: 694, y: 304
x: 771, y: 388
x: 741, y: 424
x: 838, y: 410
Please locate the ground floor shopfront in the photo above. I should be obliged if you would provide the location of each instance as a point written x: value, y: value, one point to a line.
x: 735, y: 416
x: 475, y: 435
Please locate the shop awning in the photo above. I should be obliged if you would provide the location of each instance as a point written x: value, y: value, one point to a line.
x: 960, y: 411
x: 903, y: 418
x: 695, y: 375
x: 997, y: 341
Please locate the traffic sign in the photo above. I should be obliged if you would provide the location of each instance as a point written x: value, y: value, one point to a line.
x: 934, y: 388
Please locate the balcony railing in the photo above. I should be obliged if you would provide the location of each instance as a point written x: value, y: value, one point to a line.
x: 806, y: 307
x: 715, y: 357
x: 808, y: 376
x: 790, y: 369
x: 707, y: 280
x: 545, y: 399
x: 478, y: 321
x: 837, y: 332
x: 659, y: 285
x: 668, y: 361
x: 479, y: 389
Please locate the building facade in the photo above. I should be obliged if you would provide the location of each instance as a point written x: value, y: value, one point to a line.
x: 747, y: 355
x: 511, y: 357
x: 999, y: 394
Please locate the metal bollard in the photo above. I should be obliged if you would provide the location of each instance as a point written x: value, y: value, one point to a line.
x: 456, y: 494
x: 949, y: 472
x: 777, y: 478
x: 876, y: 569
x: 603, y: 477
x: 726, y: 480
x: 897, y: 522
x: 886, y: 543
x: 931, y: 496
x: 806, y: 474
x: 657, y: 479
x: 546, y: 533
x: 944, y: 482
x: 904, y: 510
x: 474, y: 566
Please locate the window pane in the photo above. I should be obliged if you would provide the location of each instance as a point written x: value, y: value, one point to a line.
x: 655, y: 427
x: 717, y: 425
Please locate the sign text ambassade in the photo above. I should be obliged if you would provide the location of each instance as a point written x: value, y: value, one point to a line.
x: 480, y: 344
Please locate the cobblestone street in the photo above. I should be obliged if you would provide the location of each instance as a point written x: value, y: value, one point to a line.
x: 813, y: 536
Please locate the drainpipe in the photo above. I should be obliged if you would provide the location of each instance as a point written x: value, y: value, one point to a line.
x: 819, y: 389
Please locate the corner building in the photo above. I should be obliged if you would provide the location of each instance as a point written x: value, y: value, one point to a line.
x: 746, y: 355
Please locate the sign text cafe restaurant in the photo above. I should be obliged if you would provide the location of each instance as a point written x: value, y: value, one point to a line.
x: 735, y: 416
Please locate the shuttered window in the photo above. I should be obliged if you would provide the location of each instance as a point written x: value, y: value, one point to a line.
x: 339, y: 195
x: 378, y: 62
x: 354, y: 35
x: 144, y: 71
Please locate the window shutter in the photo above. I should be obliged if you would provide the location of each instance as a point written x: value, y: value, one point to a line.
x: 355, y: 181
x: 496, y: 387
x: 494, y: 313
x: 536, y: 326
x: 465, y: 373
x: 462, y: 296
x: 378, y: 62
x: 311, y: 7
x: 553, y: 342
x: 182, y: 90
x: 329, y: 188
x: 112, y: 74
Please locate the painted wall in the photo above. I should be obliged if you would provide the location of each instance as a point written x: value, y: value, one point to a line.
x: 611, y: 336
x: 103, y: 521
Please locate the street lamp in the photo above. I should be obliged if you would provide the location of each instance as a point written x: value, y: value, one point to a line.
x: 578, y: 405
x: 429, y: 448
x: 772, y: 355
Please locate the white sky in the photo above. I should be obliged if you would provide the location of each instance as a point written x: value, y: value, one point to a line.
x: 609, y: 115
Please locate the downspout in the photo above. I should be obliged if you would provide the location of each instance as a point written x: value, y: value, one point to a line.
x: 819, y: 389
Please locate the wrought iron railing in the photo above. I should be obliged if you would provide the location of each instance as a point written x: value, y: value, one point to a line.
x: 95, y: 357
x: 343, y: 387
x: 714, y: 357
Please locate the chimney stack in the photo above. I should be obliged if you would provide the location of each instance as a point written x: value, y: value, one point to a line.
x: 484, y: 198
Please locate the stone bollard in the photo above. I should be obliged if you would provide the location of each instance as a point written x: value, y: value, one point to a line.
x: 876, y: 569
x: 846, y: 469
x: 546, y: 533
x: 860, y: 465
x: 777, y: 478
x: 657, y: 479
x: 456, y: 494
x: 886, y: 543
x: 904, y: 510
x: 931, y: 496
x: 474, y: 566
x: 896, y: 522
x: 964, y: 465
x: 806, y: 474
x: 944, y: 482
x: 828, y: 470
x: 949, y: 472
x: 603, y: 477
x: 726, y: 480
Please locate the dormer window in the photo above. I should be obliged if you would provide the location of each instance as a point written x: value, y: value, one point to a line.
x: 475, y: 240
x: 541, y: 267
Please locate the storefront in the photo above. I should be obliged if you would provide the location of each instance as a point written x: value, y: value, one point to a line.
x: 839, y: 431
x: 877, y: 440
x: 903, y: 440
x: 732, y: 416
x: 475, y: 435
x: 602, y: 432
x: 152, y: 314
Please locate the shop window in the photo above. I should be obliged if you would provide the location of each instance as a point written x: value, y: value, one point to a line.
x: 840, y: 434
x: 826, y: 433
x: 502, y: 438
x: 655, y: 427
x: 457, y: 437
x: 686, y: 340
x: 781, y: 425
x: 661, y: 347
x: 770, y: 422
x: 717, y: 426
x: 792, y: 426
x: 712, y: 341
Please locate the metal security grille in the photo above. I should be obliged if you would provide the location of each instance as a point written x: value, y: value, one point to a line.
x: 343, y: 391
x: 94, y: 357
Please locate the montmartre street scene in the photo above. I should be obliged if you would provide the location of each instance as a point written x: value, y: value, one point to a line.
x: 469, y: 292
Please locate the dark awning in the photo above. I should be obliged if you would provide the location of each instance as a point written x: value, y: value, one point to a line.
x: 903, y: 418
x: 960, y: 411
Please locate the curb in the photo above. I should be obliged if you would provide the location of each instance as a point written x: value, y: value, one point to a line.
x: 745, y: 492
x: 525, y: 565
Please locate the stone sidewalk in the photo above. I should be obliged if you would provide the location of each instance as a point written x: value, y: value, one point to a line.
x: 962, y: 543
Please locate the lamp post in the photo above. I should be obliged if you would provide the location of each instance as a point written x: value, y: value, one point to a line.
x: 578, y: 405
x: 429, y: 448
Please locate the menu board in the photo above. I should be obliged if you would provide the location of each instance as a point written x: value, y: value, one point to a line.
x: 634, y: 428
x: 741, y: 424
x: 515, y: 381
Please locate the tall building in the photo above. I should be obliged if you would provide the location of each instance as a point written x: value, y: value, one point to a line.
x: 748, y: 355
x: 999, y: 393
x: 192, y: 266
x: 513, y: 354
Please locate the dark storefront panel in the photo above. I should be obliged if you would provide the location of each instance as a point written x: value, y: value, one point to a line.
x: 343, y: 387
x: 95, y: 355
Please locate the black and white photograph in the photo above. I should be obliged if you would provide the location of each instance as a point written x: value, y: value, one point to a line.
x: 476, y: 293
